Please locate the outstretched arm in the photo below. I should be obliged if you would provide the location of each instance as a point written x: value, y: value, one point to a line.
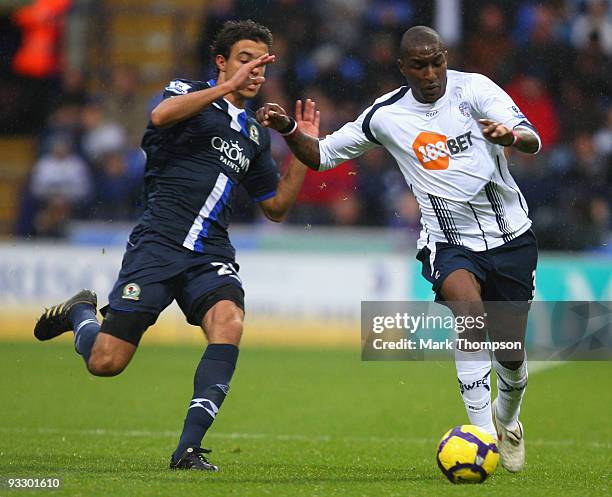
x: 522, y: 138
x: 176, y: 109
x: 277, y: 207
x: 299, y: 138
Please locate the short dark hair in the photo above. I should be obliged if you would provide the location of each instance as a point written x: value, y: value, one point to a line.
x: 419, y: 35
x: 234, y: 31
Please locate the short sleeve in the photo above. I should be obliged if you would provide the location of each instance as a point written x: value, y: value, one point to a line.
x: 261, y: 180
x: 489, y: 101
x: 350, y: 141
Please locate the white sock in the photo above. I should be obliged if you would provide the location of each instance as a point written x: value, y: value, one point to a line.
x: 473, y: 372
x: 511, y: 385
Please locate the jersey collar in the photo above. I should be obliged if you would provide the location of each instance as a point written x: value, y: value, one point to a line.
x: 425, y: 106
x: 238, y: 116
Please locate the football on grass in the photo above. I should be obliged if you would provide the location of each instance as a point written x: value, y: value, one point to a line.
x: 466, y: 454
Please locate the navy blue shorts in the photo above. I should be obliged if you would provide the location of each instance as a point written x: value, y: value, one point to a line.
x: 506, y: 273
x: 155, y: 271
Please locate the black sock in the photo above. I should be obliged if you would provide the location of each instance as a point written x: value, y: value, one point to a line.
x: 210, y: 386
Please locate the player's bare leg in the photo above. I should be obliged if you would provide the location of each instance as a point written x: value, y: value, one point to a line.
x: 461, y: 292
x: 110, y: 355
x: 511, y: 368
x: 222, y: 325
x: 104, y: 354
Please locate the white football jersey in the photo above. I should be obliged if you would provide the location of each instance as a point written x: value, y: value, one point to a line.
x: 461, y: 180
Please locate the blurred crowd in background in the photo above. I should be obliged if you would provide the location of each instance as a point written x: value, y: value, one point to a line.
x: 553, y: 57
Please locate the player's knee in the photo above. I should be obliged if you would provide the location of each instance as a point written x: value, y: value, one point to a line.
x: 224, y: 323
x: 105, y: 364
x: 226, y: 330
x: 461, y: 286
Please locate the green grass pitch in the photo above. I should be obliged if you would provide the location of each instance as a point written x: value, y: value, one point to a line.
x: 297, y: 422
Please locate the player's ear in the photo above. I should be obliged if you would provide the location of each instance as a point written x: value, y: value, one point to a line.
x: 220, y: 62
x: 400, y: 64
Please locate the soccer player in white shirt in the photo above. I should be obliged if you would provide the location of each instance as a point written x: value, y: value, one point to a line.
x: 447, y: 130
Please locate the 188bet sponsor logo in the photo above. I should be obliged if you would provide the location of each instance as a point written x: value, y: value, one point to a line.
x: 434, y: 149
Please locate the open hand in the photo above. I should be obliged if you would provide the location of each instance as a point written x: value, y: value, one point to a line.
x: 309, y: 119
x: 496, y: 132
x: 245, y: 76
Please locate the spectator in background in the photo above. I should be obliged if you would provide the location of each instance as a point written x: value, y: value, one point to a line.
x: 294, y: 19
x: 328, y: 197
x: 593, y: 69
x: 60, y: 181
x: 372, y: 187
x: 600, y: 221
x: 537, y: 180
x: 61, y: 173
x: 588, y: 167
x: 64, y: 121
x: 389, y: 15
x: 583, y: 226
x: 73, y: 88
x: 115, y: 194
x: 100, y: 136
x: 603, y: 138
x: 346, y: 210
x: 38, y: 60
x: 531, y: 96
x: 406, y: 213
x: 341, y: 22
x: 594, y: 20
x: 542, y: 52
x: 576, y: 111
x: 124, y: 102
x: 350, y: 47
x: 490, y: 46
x: 51, y: 220
x: 380, y: 56
x: 580, y: 221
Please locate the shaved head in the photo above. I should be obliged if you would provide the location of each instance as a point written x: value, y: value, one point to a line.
x: 419, y: 37
x: 422, y: 61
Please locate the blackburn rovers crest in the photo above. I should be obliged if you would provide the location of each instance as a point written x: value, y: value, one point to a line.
x: 254, y: 133
x: 131, y: 291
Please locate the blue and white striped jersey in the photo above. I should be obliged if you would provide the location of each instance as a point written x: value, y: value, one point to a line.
x: 195, y: 167
x: 461, y: 181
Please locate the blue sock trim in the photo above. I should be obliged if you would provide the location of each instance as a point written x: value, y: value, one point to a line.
x: 210, y: 386
x: 221, y: 352
x: 86, y: 337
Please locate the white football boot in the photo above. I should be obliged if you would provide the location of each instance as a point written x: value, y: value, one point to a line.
x: 511, y: 444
